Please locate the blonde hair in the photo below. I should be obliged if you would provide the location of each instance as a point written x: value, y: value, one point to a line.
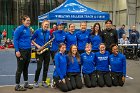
x: 45, y: 21
x: 88, y: 44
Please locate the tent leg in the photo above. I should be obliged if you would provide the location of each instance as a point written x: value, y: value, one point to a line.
x: 38, y: 24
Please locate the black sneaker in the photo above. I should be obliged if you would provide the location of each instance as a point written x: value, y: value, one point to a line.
x: 19, y: 88
x: 26, y: 85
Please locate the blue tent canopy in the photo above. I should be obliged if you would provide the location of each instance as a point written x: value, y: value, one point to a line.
x: 72, y: 10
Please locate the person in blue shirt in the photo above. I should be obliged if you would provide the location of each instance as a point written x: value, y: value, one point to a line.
x: 39, y: 38
x: 71, y: 37
x: 95, y: 38
x: 134, y: 36
x: 74, y: 67
x: 102, y: 67
x: 22, y: 44
x: 118, y: 66
x: 59, y: 37
x: 88, y: 67
x: 121, y: 31
x: 82, y: 37
x: 59, y: 76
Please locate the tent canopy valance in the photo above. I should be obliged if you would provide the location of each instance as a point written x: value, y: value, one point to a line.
x: 72, y: 10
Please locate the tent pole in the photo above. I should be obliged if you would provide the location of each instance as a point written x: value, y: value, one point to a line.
x: 38, y: 24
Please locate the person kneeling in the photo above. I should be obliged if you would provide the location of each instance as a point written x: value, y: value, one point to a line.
x: 102, y: 67
x: 60, y: 79
x: 74, y: 68
x: 118, y: 66
x: 88, y: 69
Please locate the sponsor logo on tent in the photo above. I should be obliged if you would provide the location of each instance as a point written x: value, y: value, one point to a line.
x: 75, y: 7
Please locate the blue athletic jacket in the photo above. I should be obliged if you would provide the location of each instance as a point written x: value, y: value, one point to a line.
x: 60, y: 65
x: 60, y: 37
x: 82, y: 39
x: 118, y: 63
x: 95, y: 41
x: 22, y: 38
x: 71, y: 39
x: 73, y: 66
x: 88, y: 63
x: 41, y: 37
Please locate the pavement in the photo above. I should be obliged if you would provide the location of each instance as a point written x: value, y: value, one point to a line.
x: 8, y: 68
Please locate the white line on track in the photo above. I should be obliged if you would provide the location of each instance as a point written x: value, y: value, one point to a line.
x: 14, y: 75
x: 128, y: 77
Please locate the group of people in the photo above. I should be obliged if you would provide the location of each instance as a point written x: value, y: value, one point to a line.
x: 132, y: 37
x: 95, y: 52
x: 95, y: 67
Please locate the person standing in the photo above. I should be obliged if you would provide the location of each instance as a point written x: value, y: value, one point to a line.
x: 121, y: 31
x: 53, y: 29
x: 39, y: 38
x: 74, y: 67
x: 0, y: 36
x: 109, y: 36
x: 118, y: 66
x: 88, y: 67
x: 134, y: 36
x: 59, y: 37
x: 95, y: 37
x: 4, y: 34
x: 102, y: 67
x: 22, y: 44
x: 71, y: 38
x: 82, y: 37
x: 59, y: 76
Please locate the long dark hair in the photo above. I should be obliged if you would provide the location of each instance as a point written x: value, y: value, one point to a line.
x: 93, y: 31
x: 70, y: 57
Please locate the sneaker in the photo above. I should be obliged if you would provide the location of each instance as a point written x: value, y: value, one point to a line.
x: 53, y: 85
x: 19, y: 88
x: 26, y: 85
x: 44, y: 84
x: 36, y: 85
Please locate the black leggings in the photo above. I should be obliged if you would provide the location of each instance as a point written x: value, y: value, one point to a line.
x: 75, y: 80
x: 90, y: 80
x: 43, y: 58
x: 117, y: 79
x: 53, y: 54
x: 64, y: 87
x: 104, y: 78
x: 22, y: 64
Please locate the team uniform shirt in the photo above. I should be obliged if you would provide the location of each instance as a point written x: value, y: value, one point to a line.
x: 71, y: 39
x: 59, y: 37
x: 82, y: 39
x: 102, y: 61
x: 95, y: 41
x: 41, y: 37
x: 73, y: 66
x: 22, y: 38
x: 118, y: 63
x: 88, y: 63
x: 60, y: 65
